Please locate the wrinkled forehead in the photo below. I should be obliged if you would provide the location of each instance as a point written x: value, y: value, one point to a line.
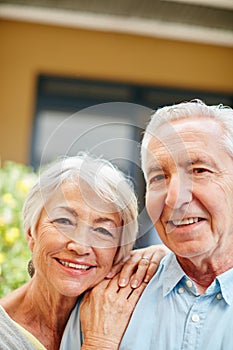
x: 165, y: 155
x: 183, y: 140
x: 167, y: 141
x: 77, y: 192
x: 181, y: 128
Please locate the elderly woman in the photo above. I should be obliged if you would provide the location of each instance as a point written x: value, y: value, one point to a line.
x: 80, y: 220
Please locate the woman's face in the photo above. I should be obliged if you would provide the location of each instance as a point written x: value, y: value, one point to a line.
x: 77, y: 238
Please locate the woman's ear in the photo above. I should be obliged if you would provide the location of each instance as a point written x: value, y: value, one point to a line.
x: 30, y: 240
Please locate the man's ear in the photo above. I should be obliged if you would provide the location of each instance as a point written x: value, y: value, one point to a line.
x: 30, y: 240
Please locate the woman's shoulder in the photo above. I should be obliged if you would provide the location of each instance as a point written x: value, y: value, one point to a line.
x: 10, y: 336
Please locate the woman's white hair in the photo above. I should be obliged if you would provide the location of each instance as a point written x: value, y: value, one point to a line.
x: 185, y: 110
x: 106, y: 180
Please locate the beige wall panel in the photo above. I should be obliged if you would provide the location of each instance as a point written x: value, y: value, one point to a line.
x: 29, y: 49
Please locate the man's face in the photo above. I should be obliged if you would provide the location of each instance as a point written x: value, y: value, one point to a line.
x: 190, y: 188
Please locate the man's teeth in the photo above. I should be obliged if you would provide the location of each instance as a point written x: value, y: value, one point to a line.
x: 185, y: 221
x: 74, y: 266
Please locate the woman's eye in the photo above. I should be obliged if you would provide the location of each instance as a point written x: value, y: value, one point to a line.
x: 104, y: 231
x: 63, y: 221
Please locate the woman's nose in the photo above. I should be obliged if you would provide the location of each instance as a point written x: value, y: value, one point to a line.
x: 79, y: 247
x: 79, y: 241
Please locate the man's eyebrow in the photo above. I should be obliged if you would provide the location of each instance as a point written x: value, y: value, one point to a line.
x: 201, y: 159
x: 153, y: 169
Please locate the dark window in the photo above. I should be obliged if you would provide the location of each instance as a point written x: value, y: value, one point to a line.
x: 104, y: 118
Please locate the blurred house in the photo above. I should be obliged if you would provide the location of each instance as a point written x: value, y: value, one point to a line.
x: 86, y: 75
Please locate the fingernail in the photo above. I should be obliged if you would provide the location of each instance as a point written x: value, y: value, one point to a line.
x: 134, y: 284
x: 147, y: 278
x: 122, y: 282
x: 110, y: 275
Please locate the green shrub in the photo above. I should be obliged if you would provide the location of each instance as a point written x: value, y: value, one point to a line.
x: 15, y: 181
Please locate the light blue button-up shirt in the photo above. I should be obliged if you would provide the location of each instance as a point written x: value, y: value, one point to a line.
x: 171, y: 315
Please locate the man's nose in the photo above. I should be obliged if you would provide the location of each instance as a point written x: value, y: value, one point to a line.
x: 179, y: 191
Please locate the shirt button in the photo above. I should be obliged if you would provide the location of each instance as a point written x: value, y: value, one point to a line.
x: 219, y: 296
x: 189, y: 283
x: 195, y: 318
x: 181, y: 290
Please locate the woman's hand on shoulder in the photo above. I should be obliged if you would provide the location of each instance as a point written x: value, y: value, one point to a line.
x: 140, y: 266
x: 105, y: 313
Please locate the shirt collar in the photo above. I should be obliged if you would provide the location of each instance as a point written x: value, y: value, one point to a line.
x: 173, y: 274
x: 226, y: 284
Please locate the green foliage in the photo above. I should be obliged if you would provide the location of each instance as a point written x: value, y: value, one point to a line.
x: 15, y: 181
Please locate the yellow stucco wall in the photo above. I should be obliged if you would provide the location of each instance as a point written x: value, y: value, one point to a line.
x: 29, y: 49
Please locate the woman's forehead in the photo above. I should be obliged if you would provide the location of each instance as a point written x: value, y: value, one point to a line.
x: 81, y: 197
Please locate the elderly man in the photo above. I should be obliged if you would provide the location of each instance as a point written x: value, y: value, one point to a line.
x: 187, y: 159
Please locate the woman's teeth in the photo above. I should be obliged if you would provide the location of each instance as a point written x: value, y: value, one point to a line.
x: 74, y: 266
x: 184, y: 222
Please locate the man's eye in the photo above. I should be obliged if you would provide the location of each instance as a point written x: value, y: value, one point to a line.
x: 200, y: 170
x: 104, y: 231
x: 157, y: 178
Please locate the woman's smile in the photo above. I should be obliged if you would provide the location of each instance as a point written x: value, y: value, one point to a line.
x: 77, y: 267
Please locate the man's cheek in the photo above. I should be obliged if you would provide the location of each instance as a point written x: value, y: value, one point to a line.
x: 154, y: 205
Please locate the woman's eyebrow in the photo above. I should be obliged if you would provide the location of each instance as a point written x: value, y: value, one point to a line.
x: 70, y: 210
x: 105, y: 220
